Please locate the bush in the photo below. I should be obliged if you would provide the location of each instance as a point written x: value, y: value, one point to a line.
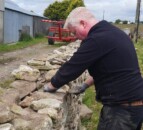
x: 39, y: 35
x: 25, y: 37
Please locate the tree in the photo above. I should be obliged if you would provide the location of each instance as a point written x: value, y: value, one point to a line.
x: 73, y: 4
x: 117, y: 21
x: 125, y: 22
x: 60, y: 10
x: 56, y: 11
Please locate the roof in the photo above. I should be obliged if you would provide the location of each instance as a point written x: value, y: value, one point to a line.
x: 13, y: 6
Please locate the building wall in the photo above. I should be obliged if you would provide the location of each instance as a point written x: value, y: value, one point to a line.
x: 2, y: 5
x: 40, y: 27
x: 14, y: 24
x: 1, y: 20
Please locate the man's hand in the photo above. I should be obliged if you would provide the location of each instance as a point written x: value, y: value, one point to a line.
x: 82, y: 89
x: 49, y: 88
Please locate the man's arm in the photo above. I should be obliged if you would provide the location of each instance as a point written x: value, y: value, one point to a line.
x: 89, y: 81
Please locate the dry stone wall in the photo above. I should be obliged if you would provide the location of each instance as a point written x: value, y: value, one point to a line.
x: 24, y: 106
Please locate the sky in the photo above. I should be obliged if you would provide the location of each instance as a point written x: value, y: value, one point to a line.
x: 109, y: 10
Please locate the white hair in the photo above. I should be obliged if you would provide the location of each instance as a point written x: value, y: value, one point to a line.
x: 79, y: 13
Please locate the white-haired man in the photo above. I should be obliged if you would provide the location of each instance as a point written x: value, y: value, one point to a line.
x: 110, y: 57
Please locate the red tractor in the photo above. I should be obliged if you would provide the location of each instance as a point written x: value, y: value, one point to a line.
x: 57, y: 33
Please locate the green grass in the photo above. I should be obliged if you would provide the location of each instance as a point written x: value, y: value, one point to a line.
x: 89, y: 98
x: 6, y: 84
x: 20, y: 45
x: 139, y: 50
x: 24, y: 44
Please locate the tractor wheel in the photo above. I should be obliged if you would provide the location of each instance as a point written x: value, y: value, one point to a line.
x: 50, y: 41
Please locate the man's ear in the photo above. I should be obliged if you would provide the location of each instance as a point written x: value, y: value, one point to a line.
x: 83, y: 23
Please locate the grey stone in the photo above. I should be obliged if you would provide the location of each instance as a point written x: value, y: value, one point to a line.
x: 26, y: 73
x: 10, y: 96
x: 6, y: 126
x: 18, y: 110
x: 50, y: 74
x: 26, y: 102
x: 24, y: 87
x: 43, y: 103
x: 21, y: 124
x: 5, y: 114
x: 53, y: 113
x: 42, y: 95
x: 85, y: 112
x: 35, y: 62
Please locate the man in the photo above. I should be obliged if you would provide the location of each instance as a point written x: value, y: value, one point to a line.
x: 110, y: 57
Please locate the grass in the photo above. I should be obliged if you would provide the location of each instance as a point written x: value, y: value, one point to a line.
x: 21, y: 45
x: 24, y: 44
x: 6, y: 84
x: 89, y: 98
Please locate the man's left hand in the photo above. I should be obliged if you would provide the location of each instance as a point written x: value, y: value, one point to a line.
x: 49, y: 88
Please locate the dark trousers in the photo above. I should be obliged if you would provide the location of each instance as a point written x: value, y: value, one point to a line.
x: 121, y: 118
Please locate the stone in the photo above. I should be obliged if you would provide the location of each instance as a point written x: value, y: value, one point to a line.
x: 6, y: 126
x: 10, y: 96
x: 26, y: 73
x: 18, y: 110
x: 57, y: 52
x: 24, y: 87
x: 26, y: 102
x: 5, y: 114
x: 21, y: 124
x: 50, y: 74
x: 44, y: 123
x: 33, y: 122
x: 34, y: 62
x: 48, y: 65
x: 43, y: 103
x: 85, y: 112
x: 33, y: 109
x: 37, y: 95
x: 53, y: 113
x: 83, y: 128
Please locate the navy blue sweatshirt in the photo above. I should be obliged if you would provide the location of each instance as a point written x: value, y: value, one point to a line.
x: 110, y: 57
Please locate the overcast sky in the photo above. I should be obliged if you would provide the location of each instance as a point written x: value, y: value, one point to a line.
x: 112, y: 9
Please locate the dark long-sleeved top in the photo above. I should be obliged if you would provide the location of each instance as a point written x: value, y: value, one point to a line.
x: 110, y: 57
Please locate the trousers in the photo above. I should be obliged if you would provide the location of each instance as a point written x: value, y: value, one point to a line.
x: 121, y: 118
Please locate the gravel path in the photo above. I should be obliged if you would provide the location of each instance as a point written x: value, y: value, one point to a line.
x: 11, y: 60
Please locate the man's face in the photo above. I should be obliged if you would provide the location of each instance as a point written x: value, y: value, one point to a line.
x: 79, y: 31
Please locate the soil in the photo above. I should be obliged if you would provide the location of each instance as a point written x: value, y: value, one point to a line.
x: 11, y: 60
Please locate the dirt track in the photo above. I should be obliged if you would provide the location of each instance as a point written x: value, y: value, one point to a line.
x: 11, y: 60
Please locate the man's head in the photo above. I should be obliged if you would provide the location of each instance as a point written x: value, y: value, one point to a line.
x: 80, y: 21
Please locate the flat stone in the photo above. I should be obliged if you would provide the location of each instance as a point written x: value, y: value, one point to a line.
x: 26, y: 73
x: 34, y: 62
x: 37, y: 95
x: 10, y: 96
x: 26, y: 102
x: 43, y: 103
x: 24, y: 87
x: 53, y: 113
x: 85, y: 112
x: 18, y: 110
x: 50, y: 74
x: 6, y: 126
x: 5, y: 114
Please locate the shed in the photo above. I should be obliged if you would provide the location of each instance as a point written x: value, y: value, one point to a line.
x: 18, y: 20
x: 1, y: 19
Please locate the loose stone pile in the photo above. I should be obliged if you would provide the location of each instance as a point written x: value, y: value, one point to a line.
x: 24, y: 106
